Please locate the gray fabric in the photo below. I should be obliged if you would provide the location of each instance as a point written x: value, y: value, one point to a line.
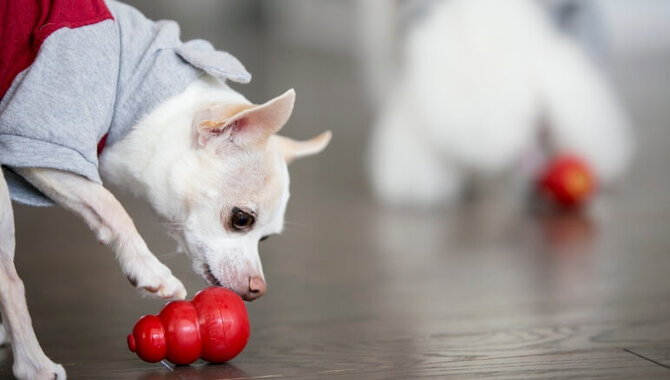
x: 154, y: 65
x: 93, y: 80
x: 56, y: 110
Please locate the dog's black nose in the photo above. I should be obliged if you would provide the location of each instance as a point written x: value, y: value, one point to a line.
x: 257, y: 288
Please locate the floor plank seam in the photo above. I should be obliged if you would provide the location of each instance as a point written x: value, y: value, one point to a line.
x: 647, y: 359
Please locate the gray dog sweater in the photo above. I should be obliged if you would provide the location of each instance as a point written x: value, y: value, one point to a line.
x: 92, y: 75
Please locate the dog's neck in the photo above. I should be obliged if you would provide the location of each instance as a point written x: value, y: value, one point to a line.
x: 143, y: 162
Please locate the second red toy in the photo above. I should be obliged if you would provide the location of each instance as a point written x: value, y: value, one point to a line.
x: 568, y: 181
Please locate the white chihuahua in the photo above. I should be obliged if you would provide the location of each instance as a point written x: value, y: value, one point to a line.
x: 207, y: 160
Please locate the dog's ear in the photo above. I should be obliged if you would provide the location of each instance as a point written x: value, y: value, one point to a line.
x: 292, y: 149
x: 245, y: 125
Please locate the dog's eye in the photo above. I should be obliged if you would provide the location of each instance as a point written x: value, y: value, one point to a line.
x: 241, y: 220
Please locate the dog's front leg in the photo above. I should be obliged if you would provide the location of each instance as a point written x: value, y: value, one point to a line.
x: 30, y: 362
x: 113, y: 227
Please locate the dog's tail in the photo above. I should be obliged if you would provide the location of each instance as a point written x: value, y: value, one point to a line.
x: 583, y: 115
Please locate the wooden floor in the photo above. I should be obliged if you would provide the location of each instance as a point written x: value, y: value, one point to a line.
x: 357, y: 291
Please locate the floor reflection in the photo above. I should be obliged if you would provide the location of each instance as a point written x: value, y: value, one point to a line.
x: 568, y: 232
x: 198, y: 372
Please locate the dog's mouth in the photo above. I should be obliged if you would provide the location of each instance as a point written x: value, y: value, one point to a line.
x: 209, y: 276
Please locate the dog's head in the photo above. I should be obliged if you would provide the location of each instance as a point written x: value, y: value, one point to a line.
x: 232, y: 189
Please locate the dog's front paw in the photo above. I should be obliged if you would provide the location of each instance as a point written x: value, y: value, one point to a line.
x: 38, y: 370
x: 153, y: 278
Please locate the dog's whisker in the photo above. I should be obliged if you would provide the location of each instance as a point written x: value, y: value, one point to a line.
x: 168, y: 254
x: 174, y: 226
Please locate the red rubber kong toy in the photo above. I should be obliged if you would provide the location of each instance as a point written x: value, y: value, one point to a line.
x: 213, y: 326
x: 568, y: 180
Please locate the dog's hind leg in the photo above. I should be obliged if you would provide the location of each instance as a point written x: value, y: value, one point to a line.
x: 30, y: 362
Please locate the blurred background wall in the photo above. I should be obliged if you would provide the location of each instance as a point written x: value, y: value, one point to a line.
x: 369, y: 32
x: 333, y: 25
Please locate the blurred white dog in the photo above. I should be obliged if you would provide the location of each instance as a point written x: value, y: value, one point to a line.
x: 483, y: 84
